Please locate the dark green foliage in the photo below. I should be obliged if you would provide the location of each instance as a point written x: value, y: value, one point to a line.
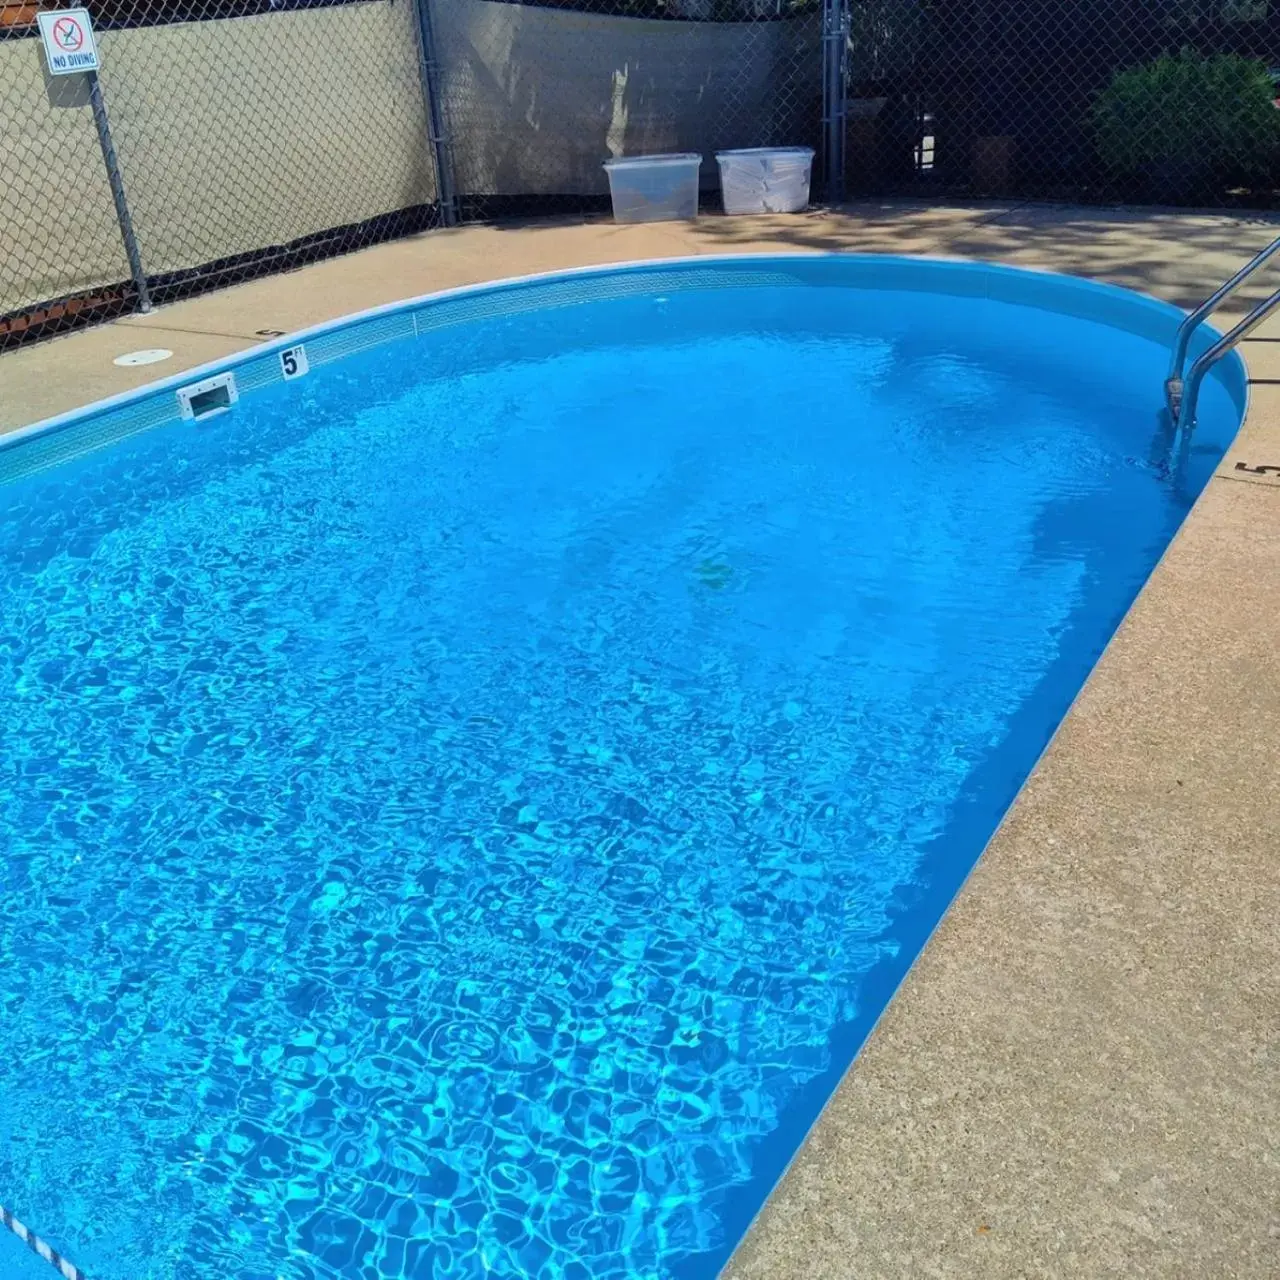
x: 1188, y: 122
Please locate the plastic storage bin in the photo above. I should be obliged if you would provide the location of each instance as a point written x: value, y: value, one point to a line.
x: 765, y: 179
x: 654, y: 188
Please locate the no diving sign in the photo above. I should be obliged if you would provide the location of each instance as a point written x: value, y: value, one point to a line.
x: 69, y: 45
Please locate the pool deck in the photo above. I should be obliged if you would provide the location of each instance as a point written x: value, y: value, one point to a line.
x: 1081, y: 1075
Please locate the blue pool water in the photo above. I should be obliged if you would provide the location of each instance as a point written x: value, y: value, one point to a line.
x: 463, y: 810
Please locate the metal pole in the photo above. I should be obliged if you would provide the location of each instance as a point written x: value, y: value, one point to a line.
x: 842, y: 94
x: 834, y: 40
x: 429, y: 69
x: 828, y: 97
x: 117, y: 191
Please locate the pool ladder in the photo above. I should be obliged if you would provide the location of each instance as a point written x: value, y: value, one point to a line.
x: 1181, y: 395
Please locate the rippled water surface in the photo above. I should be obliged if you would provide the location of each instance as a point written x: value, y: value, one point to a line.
x: 463, y: 810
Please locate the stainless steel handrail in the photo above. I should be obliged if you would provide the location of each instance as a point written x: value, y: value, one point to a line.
x: 1175, y: 394
x: 1201, y: 366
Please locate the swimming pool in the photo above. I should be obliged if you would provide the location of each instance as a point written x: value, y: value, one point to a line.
x: 465, y: 807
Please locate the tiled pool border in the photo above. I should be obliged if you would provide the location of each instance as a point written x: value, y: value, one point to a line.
x: 67, y: 436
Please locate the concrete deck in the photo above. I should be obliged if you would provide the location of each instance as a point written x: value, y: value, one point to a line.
x: 1079, y: 1077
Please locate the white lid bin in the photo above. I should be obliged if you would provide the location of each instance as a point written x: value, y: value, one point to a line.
x: 654, y: 188
x: 765, y: 179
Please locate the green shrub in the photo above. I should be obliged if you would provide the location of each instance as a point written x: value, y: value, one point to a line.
x: 1191, y: 119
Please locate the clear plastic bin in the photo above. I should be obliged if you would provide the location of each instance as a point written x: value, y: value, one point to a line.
x: 654, y: 188
x: 765, y: 179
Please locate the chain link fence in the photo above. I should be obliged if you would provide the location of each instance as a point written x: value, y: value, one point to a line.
x: 1145, y: 101
x: 536, y: 97
x: 248, y: 138
x: 256, y: 135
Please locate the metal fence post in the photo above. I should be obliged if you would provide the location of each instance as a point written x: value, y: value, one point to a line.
x: 429, y: 67
x: 117, y: 191
x: 835, y: 38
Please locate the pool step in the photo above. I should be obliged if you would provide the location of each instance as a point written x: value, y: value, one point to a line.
x: 28, y: 1237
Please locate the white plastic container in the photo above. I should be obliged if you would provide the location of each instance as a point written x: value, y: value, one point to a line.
x: 765, y: 179
x: 654, y: 188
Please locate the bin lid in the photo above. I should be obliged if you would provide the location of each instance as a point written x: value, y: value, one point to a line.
x: 671, y: 157
x: 767, y: 151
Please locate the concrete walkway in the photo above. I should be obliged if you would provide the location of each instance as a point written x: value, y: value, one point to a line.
x: 1180, y: 257
x: 1079, y: 1077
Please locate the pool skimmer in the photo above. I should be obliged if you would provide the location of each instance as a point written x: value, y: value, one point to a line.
x: 199, y: 400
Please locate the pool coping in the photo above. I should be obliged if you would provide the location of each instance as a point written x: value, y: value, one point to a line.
x: 256, y: 367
